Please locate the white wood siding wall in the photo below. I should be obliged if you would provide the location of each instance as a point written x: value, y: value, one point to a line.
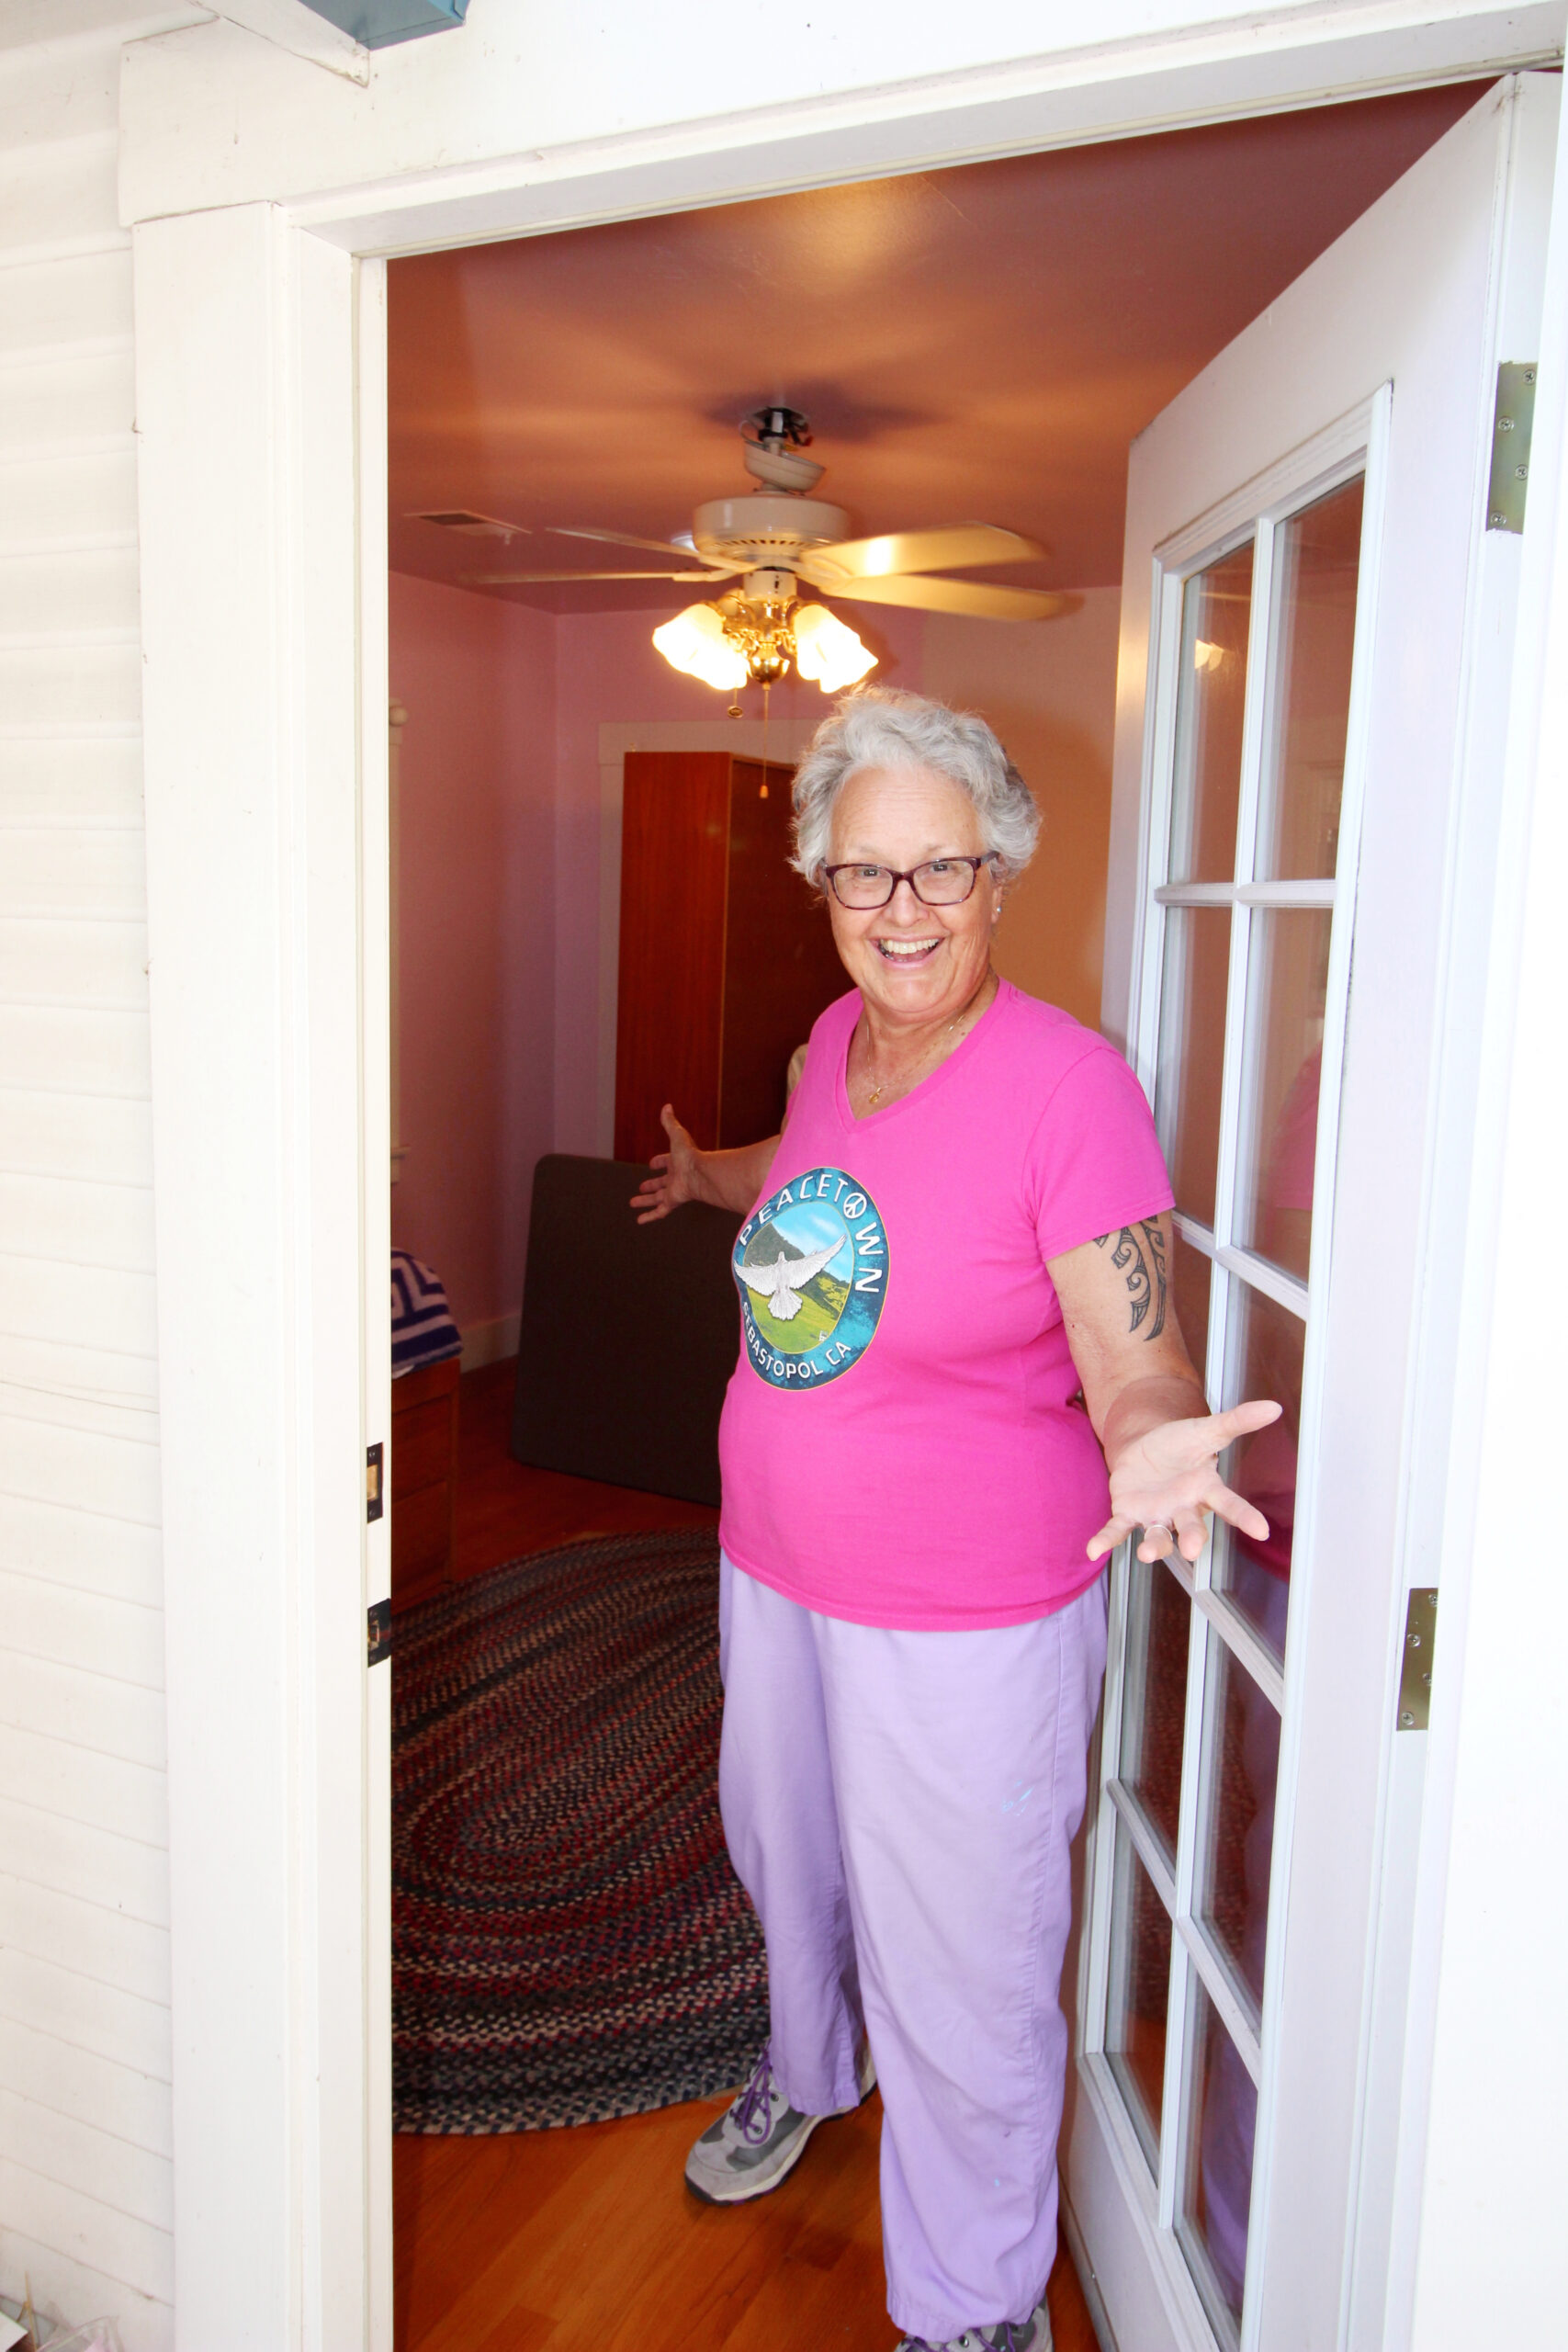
x: 84, y: 2172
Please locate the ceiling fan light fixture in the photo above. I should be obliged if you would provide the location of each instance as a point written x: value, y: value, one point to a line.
x: 754, y: 640
x: 695, y: 641
x: 827, y: 651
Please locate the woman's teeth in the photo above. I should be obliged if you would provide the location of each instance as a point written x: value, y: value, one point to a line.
x: 906, y: 951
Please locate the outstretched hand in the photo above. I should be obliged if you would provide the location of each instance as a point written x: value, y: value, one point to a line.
x: 674, y: 1176
x: 1167, y: 1482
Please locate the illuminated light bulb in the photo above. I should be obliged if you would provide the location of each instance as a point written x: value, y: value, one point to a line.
x: 695, y: 641
x: 825, y: 650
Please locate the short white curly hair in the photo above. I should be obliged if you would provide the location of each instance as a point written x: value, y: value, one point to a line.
x: 879, y: 727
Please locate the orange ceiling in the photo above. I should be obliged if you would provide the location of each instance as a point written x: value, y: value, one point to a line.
x: 980, y: 343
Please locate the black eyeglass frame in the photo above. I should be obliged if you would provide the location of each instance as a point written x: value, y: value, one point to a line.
x: 829, y: 873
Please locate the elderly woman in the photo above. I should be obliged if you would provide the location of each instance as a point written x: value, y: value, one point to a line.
x: 952, y: 1283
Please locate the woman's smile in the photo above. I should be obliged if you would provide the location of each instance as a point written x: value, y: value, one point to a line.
x: 899, y: 950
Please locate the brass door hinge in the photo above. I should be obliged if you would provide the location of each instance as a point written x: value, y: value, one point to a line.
x: 1415, y: 1669
x: 374, y: 1457
x: 377, y: 1632
x: 1511, y: 425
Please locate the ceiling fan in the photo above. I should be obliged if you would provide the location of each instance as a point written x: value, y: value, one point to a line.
x: 775, y: 536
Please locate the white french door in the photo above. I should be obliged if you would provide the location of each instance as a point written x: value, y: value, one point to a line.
x: 1316, y: 628
x: 1255, y: 789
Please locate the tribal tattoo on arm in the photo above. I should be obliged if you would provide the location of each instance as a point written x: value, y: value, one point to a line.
x: 1137, y: 1252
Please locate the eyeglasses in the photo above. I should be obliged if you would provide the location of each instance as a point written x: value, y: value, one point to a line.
x: 940, y: 882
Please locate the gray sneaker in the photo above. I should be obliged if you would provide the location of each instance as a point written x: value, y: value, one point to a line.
x: 757, y: 2139
x: 1031, y: 2335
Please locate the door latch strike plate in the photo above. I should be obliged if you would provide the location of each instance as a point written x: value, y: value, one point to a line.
x: 377, y: 1632
x: 1511, y: 426
x: 1416, y: 1668
x: 374, y: 1457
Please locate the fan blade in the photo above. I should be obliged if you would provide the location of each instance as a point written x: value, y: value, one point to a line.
x: 626, y: 540
x: 952, y: 549
x: 522, y: 579
x: 973, y: 596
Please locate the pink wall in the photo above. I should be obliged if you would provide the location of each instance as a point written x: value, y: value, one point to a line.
x: 476, y: 936
x: 607, y: 670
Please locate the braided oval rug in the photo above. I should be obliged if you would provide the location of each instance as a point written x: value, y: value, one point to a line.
x: 570, y: 1942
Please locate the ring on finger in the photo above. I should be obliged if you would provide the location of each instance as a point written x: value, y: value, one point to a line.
x: 1161, y: 1535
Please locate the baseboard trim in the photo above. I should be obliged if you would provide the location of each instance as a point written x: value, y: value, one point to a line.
x: 489, y: 1342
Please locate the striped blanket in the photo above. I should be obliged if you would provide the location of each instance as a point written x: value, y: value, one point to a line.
x: 422, y: 1328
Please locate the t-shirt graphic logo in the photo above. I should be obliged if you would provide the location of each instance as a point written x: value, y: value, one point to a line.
x: 811, y: 1268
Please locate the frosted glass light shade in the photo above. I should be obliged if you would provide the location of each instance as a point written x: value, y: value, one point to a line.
x: 825, y: 650
x: 695, y: 641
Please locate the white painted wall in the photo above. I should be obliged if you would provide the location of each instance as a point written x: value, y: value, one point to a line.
x: 85, y: 2194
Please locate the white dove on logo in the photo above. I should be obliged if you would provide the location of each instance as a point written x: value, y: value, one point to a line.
x: 780, y: 1283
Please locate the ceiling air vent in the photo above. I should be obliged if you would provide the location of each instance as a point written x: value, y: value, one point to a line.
x: 473, y: 526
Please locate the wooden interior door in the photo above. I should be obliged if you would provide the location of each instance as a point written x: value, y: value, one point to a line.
x: 727, y: 955
x: 674, y: 887
x: 780, y: 965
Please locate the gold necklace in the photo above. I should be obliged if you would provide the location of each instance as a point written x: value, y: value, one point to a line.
x: 875, y: 1097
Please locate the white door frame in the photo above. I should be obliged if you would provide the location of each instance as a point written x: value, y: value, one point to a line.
x: 262, y: 189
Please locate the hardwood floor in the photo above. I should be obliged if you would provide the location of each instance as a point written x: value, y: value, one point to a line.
x: 504, y: 1508
x: 588, y: 2240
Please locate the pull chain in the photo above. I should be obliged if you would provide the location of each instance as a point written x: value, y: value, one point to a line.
x: 766, y: 691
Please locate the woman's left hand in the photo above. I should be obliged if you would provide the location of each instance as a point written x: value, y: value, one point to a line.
x: 1167, y: 1482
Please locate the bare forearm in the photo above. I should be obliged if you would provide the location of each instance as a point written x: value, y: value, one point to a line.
x: 732, y: 1180
x: 1125, y: 1336
x: 1140, y: 1406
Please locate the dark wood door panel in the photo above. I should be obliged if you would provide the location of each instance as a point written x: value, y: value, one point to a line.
x: 674, y: 865
x: 780, y: 967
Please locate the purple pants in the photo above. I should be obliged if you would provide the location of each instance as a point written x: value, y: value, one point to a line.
x: 899, y: 1808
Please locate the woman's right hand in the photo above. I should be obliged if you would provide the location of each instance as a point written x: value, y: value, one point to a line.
x: 676, y: 1174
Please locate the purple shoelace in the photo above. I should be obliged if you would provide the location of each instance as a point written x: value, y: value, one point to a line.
x: 753, y: 2109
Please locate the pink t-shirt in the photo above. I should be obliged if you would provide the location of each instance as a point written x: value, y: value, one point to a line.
x: 899, y: 1444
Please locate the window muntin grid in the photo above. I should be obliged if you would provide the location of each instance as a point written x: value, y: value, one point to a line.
x: 1237, y: 1625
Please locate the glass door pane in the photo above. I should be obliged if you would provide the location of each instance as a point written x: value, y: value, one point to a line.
x: 1192, y: 1052
x: 1192, y: 1283
x: 1286, y: 996
x: 1140, y: 1994
x: 1154, y: 1697
x: 1216, y: 620
x: 1317, y: 558
x: 1265, y: 1355
x: 1236, y: 1834
x: 1216, y: 2190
